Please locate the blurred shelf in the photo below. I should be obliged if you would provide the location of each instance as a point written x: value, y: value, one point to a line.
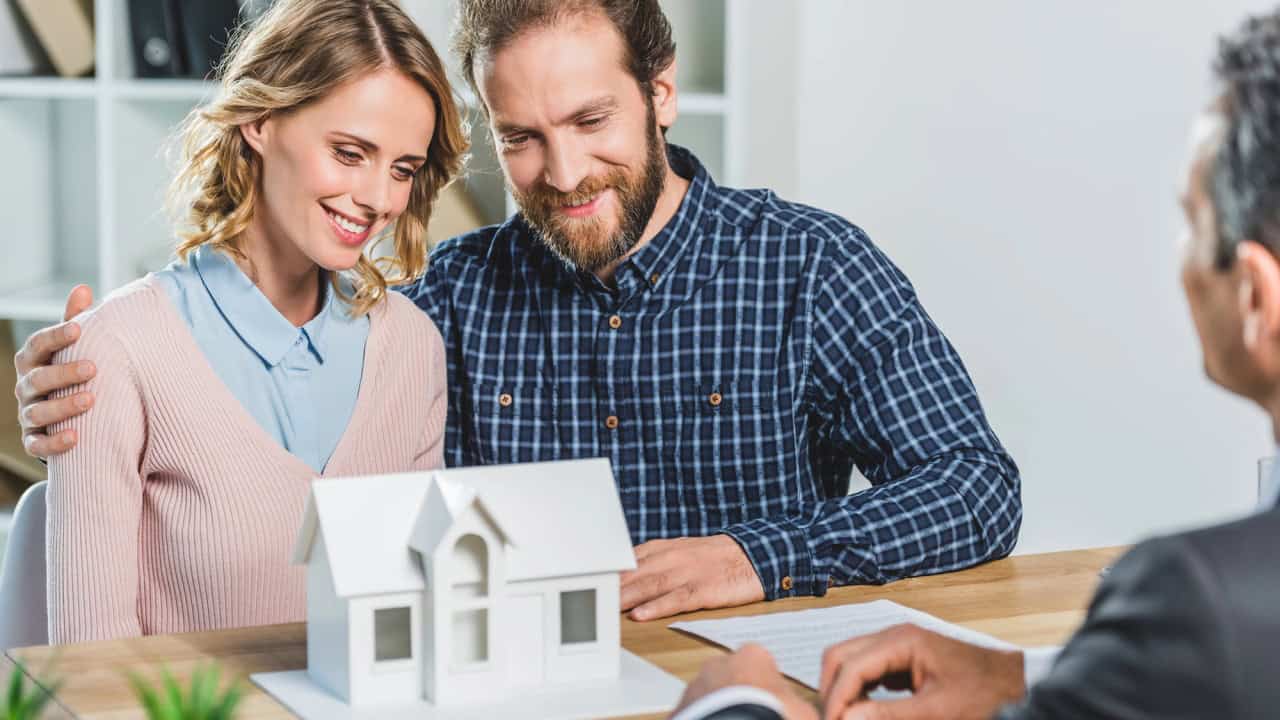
x: 47, y: 88
x: 53, y: 88
x: 156, y: 89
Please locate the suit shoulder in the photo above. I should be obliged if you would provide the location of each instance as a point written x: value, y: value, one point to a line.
x: 1248, y: 541
x: 1218, y: 556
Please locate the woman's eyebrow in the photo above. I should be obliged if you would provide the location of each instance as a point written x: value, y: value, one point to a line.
x: 372, y: 147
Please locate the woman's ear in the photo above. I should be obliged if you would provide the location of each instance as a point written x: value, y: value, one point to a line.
x: 256, y: 134
x: 1259, y: 298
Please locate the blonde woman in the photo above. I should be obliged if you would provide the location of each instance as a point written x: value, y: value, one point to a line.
x: 271, y: 352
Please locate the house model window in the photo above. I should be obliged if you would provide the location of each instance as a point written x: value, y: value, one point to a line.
x: 392, y: 634
x: 471, y: 598
x: 578, y: 617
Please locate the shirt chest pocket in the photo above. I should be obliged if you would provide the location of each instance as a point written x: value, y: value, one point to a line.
x: 514, y: 423
x: 727, y: 448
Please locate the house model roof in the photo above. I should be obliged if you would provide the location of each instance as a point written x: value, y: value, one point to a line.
x: 446, y: 501
x: 557, y: 519
x: 366, y: 522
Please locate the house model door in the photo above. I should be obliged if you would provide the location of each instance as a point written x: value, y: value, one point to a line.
x: 526, y: 640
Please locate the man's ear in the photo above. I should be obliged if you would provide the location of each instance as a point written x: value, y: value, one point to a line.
x: 256, y: 134
x: 664, y: 95
x: 1259, y: 297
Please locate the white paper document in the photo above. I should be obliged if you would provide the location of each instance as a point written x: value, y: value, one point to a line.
x: 797, y: 639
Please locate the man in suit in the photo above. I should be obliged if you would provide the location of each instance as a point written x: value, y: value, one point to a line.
x: 1186, y: 626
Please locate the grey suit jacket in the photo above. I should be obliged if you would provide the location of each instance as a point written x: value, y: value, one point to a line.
x: 1186, y: 626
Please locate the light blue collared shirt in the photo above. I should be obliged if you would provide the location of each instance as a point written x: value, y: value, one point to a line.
x: 300, y: 384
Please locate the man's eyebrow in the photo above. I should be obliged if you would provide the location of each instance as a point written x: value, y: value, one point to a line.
x: 600, y: 104
x: 506, y: 128
x: 372, y: 147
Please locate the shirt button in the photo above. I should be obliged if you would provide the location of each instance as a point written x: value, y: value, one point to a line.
x: 831, y: 581
x: 504, y: 400
x: 715, y: 399
x: 611, y: 422
x: 786, y: 583
x: 615, y: 322
x: 654, y: 278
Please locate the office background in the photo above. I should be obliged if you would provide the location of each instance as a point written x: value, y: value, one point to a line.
x: 1019, y: 161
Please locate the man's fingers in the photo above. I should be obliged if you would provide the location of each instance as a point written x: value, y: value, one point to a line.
x: 642, y: 587
x: 42, y: 446
x: 845, y: 689
x: 835, y: 655
x: 891, y: 651
x: 47, y: 379
x: 680, y: 599
x: 43, y: 344
x: 43, y: 414
x: 80, y: 299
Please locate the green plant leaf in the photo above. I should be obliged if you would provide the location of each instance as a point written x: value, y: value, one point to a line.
x: 151, y: 701
x: 230, y: 701
x: 201, y: 700
x: 173, y: 694
x: 199, y: 692
x: 35, y: 703
x: 14, y: 697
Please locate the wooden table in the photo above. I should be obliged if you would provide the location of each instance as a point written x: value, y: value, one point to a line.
x: 1027, y: 600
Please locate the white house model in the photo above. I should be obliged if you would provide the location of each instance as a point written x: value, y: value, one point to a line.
x: 461, y: 586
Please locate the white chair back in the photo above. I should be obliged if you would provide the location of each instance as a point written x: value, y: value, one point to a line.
x: 24, y: 617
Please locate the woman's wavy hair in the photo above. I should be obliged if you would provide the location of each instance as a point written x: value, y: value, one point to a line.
x: 293, y: 55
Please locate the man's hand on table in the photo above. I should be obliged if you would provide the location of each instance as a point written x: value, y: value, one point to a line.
x: 37, y: 379
x: 751, y: 666
x: 948, y: 678
x: 686, y: 574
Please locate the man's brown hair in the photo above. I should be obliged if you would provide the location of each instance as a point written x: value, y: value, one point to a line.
x: 486, y: 26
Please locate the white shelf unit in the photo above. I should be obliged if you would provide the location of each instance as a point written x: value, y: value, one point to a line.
x: 82, y: 201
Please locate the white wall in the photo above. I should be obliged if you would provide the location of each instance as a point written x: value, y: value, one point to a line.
x: 1019, y: 161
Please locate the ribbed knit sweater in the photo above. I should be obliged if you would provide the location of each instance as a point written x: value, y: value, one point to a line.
x: 176, y: 511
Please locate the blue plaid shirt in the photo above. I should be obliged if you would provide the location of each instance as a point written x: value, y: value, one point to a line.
x: 750, y: 356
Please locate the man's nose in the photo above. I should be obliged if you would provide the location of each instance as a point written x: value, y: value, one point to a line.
x: 566, y: 165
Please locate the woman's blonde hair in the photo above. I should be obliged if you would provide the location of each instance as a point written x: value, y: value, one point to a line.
x: 294, y: 54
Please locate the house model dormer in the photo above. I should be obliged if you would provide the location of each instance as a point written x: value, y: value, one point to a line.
x: 461, y: 586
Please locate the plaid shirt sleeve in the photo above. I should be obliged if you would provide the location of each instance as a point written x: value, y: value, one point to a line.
x: 888, y: 393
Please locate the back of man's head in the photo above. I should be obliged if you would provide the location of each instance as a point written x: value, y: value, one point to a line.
x: 1244, y: 181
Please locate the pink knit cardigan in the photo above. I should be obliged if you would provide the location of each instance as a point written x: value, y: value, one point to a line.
x: 176, y: 511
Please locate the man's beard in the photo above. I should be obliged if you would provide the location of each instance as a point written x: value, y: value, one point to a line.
x: 585, y: 243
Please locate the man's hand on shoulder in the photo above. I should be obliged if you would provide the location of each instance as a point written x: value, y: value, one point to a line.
x: 948, y: 678
x: 37, y: 379
x: 686, y: 574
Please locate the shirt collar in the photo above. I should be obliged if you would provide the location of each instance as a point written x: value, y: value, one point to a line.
x: 659, y: 257
x: 251, y: 315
